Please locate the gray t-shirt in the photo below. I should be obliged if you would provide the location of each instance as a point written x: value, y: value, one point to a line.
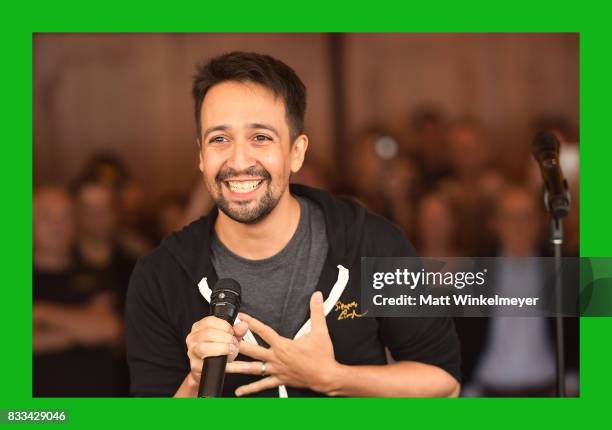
x: 277, y: 290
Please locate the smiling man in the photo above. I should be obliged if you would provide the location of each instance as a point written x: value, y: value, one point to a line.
x: 296, y: 251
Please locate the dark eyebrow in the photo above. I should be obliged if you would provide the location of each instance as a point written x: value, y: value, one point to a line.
x: 264, y: 126
x: 221, y: 127
x: 255, y: 125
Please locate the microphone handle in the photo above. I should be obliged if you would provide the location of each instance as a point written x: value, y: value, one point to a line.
x: 214, y: 369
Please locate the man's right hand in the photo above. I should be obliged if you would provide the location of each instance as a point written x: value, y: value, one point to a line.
x: 211, y: 337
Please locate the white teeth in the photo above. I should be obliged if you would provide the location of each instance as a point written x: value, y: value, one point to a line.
x: 243, y: 186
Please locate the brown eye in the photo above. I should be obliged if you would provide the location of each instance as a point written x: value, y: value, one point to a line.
x: 218, y: 139
x: 262, y: 138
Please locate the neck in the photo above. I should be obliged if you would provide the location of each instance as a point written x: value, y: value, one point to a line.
x: 265, y: 238
x: 52, y: 261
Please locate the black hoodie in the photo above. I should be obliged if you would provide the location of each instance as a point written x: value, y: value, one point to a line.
x: 169, y: 290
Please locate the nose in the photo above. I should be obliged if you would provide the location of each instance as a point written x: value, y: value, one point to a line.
x: 240, y: 157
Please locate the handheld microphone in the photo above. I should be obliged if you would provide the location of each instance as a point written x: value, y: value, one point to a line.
x: 545, y: 150
x: 224, y: 304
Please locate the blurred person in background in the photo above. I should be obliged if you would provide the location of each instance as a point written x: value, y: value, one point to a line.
x: 101, y: 261
x: 428, y: 141
x: 469, y: 153
x: 107, y: 169
x: 517, y: 223
x: 200, y: 203
x: 75, y: 330
x: 365, y: 167
x: 475, y: 183
x: 402, y: 185
x: 312, y: 174
x: 381, y: 178
x: 514, y: 356
x: 133, y: 227
x: 437, y: 226
x: 170, y: 215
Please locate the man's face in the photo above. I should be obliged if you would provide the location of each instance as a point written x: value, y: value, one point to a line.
x: 246, y: 154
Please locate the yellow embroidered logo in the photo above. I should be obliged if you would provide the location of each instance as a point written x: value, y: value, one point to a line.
x: 348, y: 310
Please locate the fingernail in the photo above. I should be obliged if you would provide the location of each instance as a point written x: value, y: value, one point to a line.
x: 232, y: 348
x: 318, y: 297
x: 238, y: 393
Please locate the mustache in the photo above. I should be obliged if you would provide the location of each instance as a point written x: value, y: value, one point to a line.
x: 255, y: 171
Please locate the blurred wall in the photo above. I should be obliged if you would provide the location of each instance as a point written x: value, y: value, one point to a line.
x: 503, y: 79
x: 130, y: 93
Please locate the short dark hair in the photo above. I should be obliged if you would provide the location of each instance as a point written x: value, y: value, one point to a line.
x: 257, y: 68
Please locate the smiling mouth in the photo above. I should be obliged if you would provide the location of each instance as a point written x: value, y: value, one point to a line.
x: 243, y: 187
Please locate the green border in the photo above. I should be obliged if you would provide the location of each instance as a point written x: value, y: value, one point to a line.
x: 15, y: 380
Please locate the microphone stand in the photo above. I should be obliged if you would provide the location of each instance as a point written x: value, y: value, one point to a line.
x: 556, y: 237
x: 557, y: 202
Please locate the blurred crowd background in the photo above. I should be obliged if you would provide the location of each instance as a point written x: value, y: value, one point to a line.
x: 431, y: 130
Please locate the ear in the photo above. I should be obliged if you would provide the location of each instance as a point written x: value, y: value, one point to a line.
x: 298, y: 152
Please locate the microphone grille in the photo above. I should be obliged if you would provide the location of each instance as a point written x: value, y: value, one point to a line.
x: 545, y: 141
x: 227, y: 284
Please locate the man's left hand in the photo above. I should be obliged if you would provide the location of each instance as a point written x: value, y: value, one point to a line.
x: 304, y: 362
